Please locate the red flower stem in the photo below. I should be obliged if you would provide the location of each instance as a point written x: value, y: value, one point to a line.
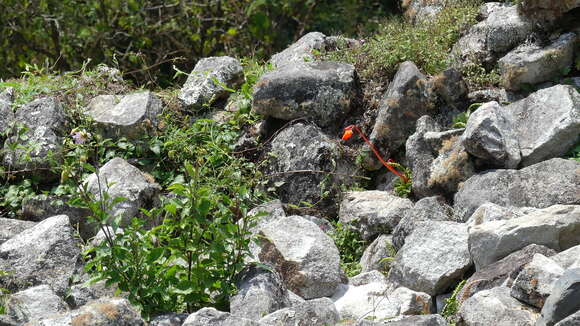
x: 404, y: 178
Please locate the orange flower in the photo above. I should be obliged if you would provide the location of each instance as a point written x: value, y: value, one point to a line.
x: 347, y: 134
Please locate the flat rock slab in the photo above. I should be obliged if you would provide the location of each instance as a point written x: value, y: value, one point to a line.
x: 564, y: 299
x: 496, y: 307
x: 316, y: 312
x: 319, y: 91
x: 11, y: 227
x: 301, y: 50
x: 44, y: 254
x: 556, y: 227
x: 434, y: 257
x: 536, y: 280
x: 559, y: 180
x: 34, y: 303
x: 306, y: 258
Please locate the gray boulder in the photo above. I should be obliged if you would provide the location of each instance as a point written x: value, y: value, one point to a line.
x: 418, y: 11
x: 306, y: 258
x: 502, y: 30
x: 418, y: 264
x: 118, y: 178
x: 420, y: 155
x: 305, y: 165
x: 502, y: 272
x: 490, y: 137
x: 317, y: 312
x: 129, y: 116
x: 546, y: 11
x: 495, y: 307
x: 320, y: 91
x: 260, y: 292
x: 371, y: 213
x: 426, y: 209
x: 11, y: 227
x: 368, y: 296
x: 564, y: 299
x: 205, y: 84
x: 536, y: 280
x: 419, y: 320
x: 34, y: 303
x: 559, y: 180
x: 546, y: 123
x: 301, y: 50
x: 264, y: 214
x: 572, y: 320
x: 82, y: 291
x: 172, y: 319
x: 493, y: 212
x: 373, y: 257
x: 45, y: 122
x: 569, y: 258
x: 103, y: 312
x: 531, y: 64
x: 6, y: 112
x: 556, y: 227
x: 213, y: 317
x: 52, y: 240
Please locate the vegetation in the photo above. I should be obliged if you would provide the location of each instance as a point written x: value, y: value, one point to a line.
x: 350, y: 246
x: 3, y: 293
x: 451, y: 304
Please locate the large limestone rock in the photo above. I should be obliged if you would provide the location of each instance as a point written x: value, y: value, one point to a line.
x: 556, y: 227
x: 44, y: 254
x: 103, y: 312
x: 502, y: 30
x: 546, y: 123
x: 536, y: 280
x: 493, y: 212
x: 490, y: 137
x: 572, y: 320
x: 6, y: 112
x: 495, y: 307
x: 501, y: 272
x: 531, y: 64
x: 205, y: 84
x: 34, y: 303
x: 131, y: 116
x: 547, y: 11
x: 45, y: 122
x: 319, y: 91
x: 540, y: 185
x: 300, y: 51
x: 367, y: 296
x: 420, y: 155
x: 260, y: 292
x: 419, y: 11
x: 308, y: 166
x: 373, y: 257
x: 317, y: 312
x: 118, y: 178
x: 434, y: 258
x: 371, y: 213
x: 306, y: 258
x: 11, y: 227
x: 213, y: 317
x: 564, y: 299
x: 426, y: 209
x: 568, y: 258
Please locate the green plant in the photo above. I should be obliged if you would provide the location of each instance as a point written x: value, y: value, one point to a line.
x: 451, y: 304
x: 3, y: 293
x: 460, y: 120
x: 351, y: 247
x: 403, y: 187
x: 574, y: 153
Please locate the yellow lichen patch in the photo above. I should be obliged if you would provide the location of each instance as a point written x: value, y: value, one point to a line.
x: 108, y: 310
x: 85, y: 319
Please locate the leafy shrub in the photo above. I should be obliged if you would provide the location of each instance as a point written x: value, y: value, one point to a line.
x: 350, y: 246
x: 451, y: 304
x: 3, y: 293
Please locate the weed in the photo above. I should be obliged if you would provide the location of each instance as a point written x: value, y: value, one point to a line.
x: 451, y: 304
x: 460, y: 120
x: 403, y: 187
x: 351, y: 247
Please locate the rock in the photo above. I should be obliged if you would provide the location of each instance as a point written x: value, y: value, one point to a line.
x: 306, y: 258
x: 317, y: 312
x: 546, y: 11
x: 82, y: 291
x: 130, y: 116
x: 266, y: 213
x: 490, y: 137
x: 172, y: 319
x: 502, y: 30
x: 533, y: 64
x: 568, y: 258
x: 420, y: 320
x: 493, y: 212
x: 371, y: 213
x: 426, y: 209
x: 556, y: 227
x: 499, y: 95
x: 420, y: 155
x: 547, y: 123
x: 534, y: 283
x: 118, y: 178
x: 5, y: 320
x: 103, y: 312
x: 572, y: 320
x: 295, y: 299
x: 374, y: 255
x: 564, y: 299
x: 205, y: 84
x: 368, y: 297
x: 319, y: 91
x: 418, y: 11
x: 405, y: 101
x: 43, y: 254
x: 213, y: 317
x: 34, y: 303
x: 418, y: 264
x: 495, y: 307
x: 260, y: 292
x: 559, y: 180
x: 6, y: 112
x: 44, y: 120
x: 300, y: 51
x: 501, y: 272
x: 307, y: 166
x: 11, y: 227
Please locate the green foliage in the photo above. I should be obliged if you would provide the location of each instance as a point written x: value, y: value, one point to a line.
x: 478, y: 77
x: 3, y: 293
x: 574, y: 153
x: 460, y: 120
x: 350, y: 246
x: 451, y: 304
x: 144, y: 38
x: 427, y: 45
x: 403, y: 189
